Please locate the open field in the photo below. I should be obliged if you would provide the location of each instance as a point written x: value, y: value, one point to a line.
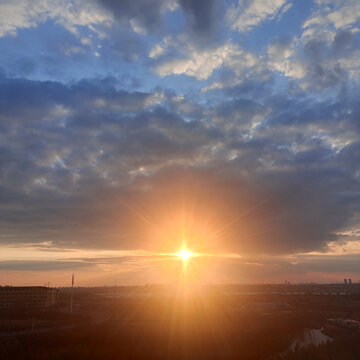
x: 155, y: 323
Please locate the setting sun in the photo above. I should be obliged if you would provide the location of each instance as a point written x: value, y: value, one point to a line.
x: 184, y: 254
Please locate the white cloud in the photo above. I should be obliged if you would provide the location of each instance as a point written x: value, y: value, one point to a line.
x: 200, y: 64
x: 171, y: 5
x: 137, y: 27
x: 214, y: 86
x: 325, y: 54
x: 156, y: 51
x: 73, y: 50
x: 284, y: 58
x: 251, y: 13
x: 160, y: 49
x: 15, y: 15
x: 345, y: 15
x: 20, y: 14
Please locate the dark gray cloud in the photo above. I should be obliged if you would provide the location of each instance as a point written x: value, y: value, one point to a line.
x: 146, y: 13
x: 71, y: 264
x: 203, y: 14
x: 34, y: 265
x: 329, y: 264
x: 256, y: 211
x: 80, y: 162
x: 297, y: 268
x: 203, y: 17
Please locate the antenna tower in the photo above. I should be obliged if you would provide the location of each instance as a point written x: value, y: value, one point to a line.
x: 72, y: 293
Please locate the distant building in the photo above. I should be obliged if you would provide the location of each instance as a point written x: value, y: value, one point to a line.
x: 345, y: 323
x: 350, y: 282
x: 345, y: 281
x: 14, y: 297
x: 268, y: 307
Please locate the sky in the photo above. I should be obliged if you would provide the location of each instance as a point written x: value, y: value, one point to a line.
x: 131, y: 129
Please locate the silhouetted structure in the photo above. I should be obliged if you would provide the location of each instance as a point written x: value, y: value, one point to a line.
x: 27, y: 297
x: 72, y: 293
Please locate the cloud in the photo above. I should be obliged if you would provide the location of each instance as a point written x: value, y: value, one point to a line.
x: 324, y: 55
x: 29, y: 13
x: 115, y: 128
x: 203, y: 15
x: 341, y: 14
x: 201, y: 63
x: 30, y: 265
x: 142, y: 15
x: 248, y: 14
x: 161, y: 48
x: 282, y: 58
x: 90, y: 166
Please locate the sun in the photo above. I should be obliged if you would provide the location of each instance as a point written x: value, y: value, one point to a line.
x: 184, y: 255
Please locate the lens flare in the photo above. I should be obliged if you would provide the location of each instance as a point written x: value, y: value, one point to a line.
x: 185, y: 254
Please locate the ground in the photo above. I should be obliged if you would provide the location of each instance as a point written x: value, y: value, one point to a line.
x: 155, y: 323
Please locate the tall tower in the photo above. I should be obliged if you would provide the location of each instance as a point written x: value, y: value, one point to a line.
x: 72, y: 293
x: 349, y: 281
x: 345, y: 281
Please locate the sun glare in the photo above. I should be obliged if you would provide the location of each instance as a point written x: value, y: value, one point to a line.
x: 184, y: 254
